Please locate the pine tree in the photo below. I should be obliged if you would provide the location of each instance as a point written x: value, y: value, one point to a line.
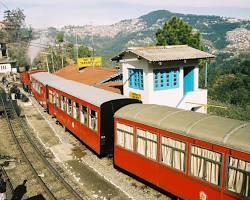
x: 178, y: 32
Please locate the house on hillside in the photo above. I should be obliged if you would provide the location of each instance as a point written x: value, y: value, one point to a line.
x: 164, y: 75
x: 101, y: 77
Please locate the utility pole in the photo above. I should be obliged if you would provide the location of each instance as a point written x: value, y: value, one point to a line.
x: 52, y: 59
x: 47, y: 63
x: 206, y: 75
x: 76, y: 47
x: 62, y: 57
x: 92, y: 40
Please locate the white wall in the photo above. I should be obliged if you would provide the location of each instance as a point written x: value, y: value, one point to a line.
x: 4, y: 68
x: 170, y: 97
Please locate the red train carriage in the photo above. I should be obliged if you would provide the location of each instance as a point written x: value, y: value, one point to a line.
x: 39, y: 82
x: 85, y: 110
x: 25, y: 79
x: 191, y: 155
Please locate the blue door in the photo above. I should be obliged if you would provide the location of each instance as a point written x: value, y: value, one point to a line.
x: 188, y: 79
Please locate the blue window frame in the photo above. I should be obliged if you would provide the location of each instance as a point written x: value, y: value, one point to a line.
x: 135, y: 79
x: 166, y: 78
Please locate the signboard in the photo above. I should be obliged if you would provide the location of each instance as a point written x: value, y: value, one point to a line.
x: 134, y: 95
x: 89, y: 62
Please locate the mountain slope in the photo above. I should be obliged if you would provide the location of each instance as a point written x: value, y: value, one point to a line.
x: 218, y: 33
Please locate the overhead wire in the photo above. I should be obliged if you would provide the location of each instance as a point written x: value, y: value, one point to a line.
x: 4, y: 5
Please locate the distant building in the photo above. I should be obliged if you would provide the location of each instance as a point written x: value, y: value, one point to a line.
x: 101, y: 77
x: 6, y: 65
x: 164, y: 75
x: 2, y: 25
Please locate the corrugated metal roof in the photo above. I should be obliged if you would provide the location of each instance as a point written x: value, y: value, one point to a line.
x: 88, y: 75
x: 223, y: 131
x: 166, y: 53
x: 87, y: 93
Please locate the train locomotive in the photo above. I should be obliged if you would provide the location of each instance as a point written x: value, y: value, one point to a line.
x: 191, y: 155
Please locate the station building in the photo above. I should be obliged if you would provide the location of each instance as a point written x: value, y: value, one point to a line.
x: 164, y: 75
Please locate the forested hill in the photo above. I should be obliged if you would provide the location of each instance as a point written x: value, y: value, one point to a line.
x: 219, y: 33
x: 227, y: 38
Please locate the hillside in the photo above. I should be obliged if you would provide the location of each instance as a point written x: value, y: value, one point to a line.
x: 228, y: 38
x: 219, y: 33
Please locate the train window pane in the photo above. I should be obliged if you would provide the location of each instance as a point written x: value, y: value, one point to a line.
x: 58, y: 100
x: 93, y: 120
x: 173, y: 153
x: 125, y: 136
x: 206, y: 164
x: 76, y: 111
x: 238, y: 178
x: 50, y: 96
x: 63, y: 103
x: 146, y: 143
x: 53, y: 97
x: 69, y: 107
x: 84, y: 114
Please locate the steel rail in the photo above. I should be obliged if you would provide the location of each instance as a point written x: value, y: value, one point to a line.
x: 51, y: 168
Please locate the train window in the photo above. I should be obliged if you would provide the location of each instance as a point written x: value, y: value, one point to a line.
x: 147, y: 143
x: 76, y: 113
x: 58, y: 100
x: 125, y: 136
x: 93, y: 120
x: 63, y: 103
x: 173, y: 153
x: 69, y: 107
x: 206, y: 164
x: 50, y: 96
x: 84, y: 114
x: 238, y: 179
x: 54, y: 97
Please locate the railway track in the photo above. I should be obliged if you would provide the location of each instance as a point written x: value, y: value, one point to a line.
x: 50, y: 181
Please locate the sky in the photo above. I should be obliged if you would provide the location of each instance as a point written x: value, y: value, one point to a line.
x: 58, y: 13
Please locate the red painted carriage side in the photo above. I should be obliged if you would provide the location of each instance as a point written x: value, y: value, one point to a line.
x: 169, y: 179
x: 42, y: 96
x: 88, y: 136
x: 25, y: 77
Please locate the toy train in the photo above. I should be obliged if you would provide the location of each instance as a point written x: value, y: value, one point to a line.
x: 191, y: 155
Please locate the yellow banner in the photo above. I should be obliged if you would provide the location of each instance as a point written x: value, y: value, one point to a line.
x: 89, y: 62
x: 134, y: 95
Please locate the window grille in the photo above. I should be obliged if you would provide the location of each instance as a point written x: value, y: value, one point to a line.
x: 135, y: 78
x: 166, y: 78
